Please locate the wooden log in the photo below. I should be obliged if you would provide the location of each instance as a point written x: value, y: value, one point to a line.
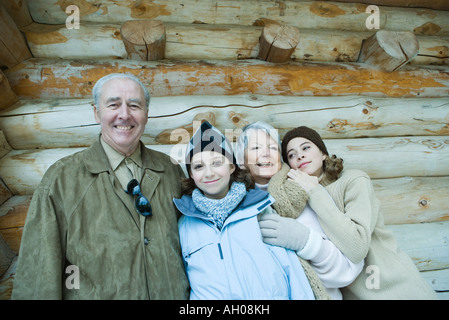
x: 12, y: 219
x: 387, y: 157
x: 44, y: 79
x: 7, y: 95
x: 18, y: 11
x: 91, y: 41
x: 184, y: 41
x: 144, y: 39
x: 6, y: 256
x: 425, y: 243
x: 413, y: 199
x: 7, y: 281
x: 38, y: 163
x: 439, y: 279
x: 4, y: 145
x: 302, y: 14
x: 210, y: 42
x: 200, y: 41
x: 22, y: 170
x: 430, y: 52
x: 443, y: 295
x: 435, y: 4
x: 62, y: 123
x: 13, y: 212
x: 5, y: 193
x: 277, y: 42
x: 389, y: 50
x: 13, y: 48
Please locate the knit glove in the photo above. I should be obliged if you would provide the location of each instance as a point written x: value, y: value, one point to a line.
x: 283, y: 232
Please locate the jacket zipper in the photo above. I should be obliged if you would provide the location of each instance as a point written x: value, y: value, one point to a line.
x: 220, y: 251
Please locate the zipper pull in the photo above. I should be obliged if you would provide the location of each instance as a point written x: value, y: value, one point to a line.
x: 220, y: 251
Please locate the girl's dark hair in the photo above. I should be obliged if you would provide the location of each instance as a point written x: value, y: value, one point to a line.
x: 239, y: 175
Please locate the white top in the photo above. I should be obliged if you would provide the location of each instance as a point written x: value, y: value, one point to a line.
x: 333, y: 268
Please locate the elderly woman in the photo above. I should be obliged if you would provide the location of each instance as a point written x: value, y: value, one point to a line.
x: 296, y: 225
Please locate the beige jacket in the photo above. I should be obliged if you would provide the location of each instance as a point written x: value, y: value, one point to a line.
x: 80, y: 215
x: 352, y: 219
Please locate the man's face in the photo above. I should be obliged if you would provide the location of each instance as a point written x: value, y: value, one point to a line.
x: 122, y: 114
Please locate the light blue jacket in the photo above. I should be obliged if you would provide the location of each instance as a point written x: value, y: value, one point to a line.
x: 234, y: 263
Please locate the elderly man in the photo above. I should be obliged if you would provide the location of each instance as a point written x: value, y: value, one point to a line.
x: 102, y: 224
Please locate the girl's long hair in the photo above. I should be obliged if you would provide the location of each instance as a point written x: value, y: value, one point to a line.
x: 332, y: 167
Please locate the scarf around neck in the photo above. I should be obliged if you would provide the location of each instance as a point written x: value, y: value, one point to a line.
x: 291, y: 199
x: 219, y: 209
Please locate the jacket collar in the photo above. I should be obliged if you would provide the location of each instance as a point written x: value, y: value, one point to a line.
x: 116, y: 158
x: 96, y: 160
x: 254, y: 196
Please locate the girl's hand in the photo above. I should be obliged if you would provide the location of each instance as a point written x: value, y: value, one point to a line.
x: 303, y: 179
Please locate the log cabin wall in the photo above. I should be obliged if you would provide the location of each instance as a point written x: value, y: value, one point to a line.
x: 392, y: 124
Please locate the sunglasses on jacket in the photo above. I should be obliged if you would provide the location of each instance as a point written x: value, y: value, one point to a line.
x: 141, y: 203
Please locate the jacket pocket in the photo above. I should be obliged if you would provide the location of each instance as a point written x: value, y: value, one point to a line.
x: 188, y: 252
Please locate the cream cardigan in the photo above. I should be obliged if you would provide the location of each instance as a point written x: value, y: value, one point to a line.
x: 350, y: 215
x: 332, y: 267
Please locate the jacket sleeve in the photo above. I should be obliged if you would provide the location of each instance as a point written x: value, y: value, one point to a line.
x: 180, y: 175
x: 350, y: 230
x: 42, y: 253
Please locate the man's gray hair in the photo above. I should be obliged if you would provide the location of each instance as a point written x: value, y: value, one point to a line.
x: 96, y: 91
x: 242, y: 142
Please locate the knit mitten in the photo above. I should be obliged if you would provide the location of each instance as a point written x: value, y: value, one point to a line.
x: 283, y: 232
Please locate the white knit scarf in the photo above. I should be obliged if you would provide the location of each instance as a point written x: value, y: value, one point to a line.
x: 219, y: 209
